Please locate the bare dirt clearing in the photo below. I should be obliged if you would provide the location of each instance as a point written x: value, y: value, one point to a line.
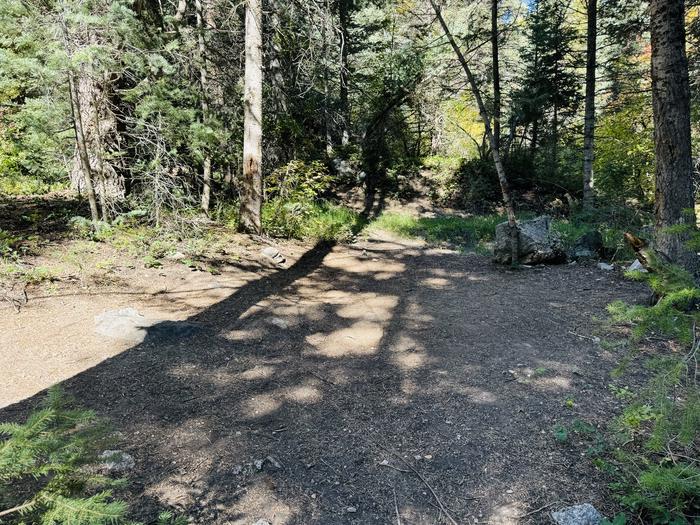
x: 323, y: 392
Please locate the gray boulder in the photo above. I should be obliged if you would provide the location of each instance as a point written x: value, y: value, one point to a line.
x: 537, y: 243
x: 585, y: 514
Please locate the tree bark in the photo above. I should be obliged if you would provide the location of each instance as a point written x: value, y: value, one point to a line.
x: 202, y: 48
x: 671, y: 102
x: 344, y: 19
x: 251, y: 186
x: 502, y: 179
x: 83, y: 156
x: 589, y: 114
x: 496, y: 75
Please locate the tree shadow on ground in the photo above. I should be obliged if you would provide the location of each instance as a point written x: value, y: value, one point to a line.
x: 310, y: 395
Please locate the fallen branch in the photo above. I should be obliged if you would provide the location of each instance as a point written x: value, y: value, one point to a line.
x: 537, y: 510
x: 425, y: 482
x: 396, y: 508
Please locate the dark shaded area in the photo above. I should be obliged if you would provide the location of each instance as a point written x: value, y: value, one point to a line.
x: 47, y: 215
x: 199, y: 401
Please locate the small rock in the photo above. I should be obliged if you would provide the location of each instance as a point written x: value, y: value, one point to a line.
x: 279, y: 323
x: 259, y: 463
x: 585, y: 514
x: 636, y: 266
x: 273, y: 255
x: 262, y: 522
x: 273, y: 461
x: 605, y: 266
x: 116, y: 462
x: 351, y: 510
x: 177, y: 256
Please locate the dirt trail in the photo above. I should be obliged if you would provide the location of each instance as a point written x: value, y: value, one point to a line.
x: 353, y: 357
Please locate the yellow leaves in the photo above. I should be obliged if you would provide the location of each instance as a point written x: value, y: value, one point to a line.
x: 463, y: 124
x: 405, y: 7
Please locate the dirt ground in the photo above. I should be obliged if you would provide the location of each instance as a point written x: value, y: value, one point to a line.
x: 380, y: 382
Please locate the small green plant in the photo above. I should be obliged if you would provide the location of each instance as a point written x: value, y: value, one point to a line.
x: 622, y: 393
x: 42, y: 472
x: 540, y: 372
x: 561, y: 434
x: 48, y: 474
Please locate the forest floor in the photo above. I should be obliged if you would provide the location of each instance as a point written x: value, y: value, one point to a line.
x: 384, y: 381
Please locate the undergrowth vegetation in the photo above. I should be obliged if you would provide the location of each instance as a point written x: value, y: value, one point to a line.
x: 50, y: 473
x: 466, y: 232
x: 655, y: 449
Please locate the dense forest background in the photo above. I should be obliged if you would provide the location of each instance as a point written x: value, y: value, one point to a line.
x: 354, y: 92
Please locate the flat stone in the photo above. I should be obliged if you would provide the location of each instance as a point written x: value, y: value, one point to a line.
x: 127, y: 324
x: 116, y: 462
x: 585, y: 514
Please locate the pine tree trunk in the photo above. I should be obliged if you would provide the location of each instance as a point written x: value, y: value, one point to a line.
x: 502, y: 179
x: 496, y: 74
x: 251, y: 185
x: 589, y: 117
x: 671, y: 101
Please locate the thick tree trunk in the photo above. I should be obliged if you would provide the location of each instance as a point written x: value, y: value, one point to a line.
x: 589, y: 116
x: 251, y: 185
x: 671, y: 101
x: 496, y: 75
x: 502, y: 179
x: 81, y: 147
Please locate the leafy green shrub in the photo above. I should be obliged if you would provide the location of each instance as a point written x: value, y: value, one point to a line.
x: 294, y: 208
x: 298, y: 181
x: 478, y: 185
x: 314, y: 220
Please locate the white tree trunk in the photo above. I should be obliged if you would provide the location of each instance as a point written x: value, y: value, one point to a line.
x: 251, y: 187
